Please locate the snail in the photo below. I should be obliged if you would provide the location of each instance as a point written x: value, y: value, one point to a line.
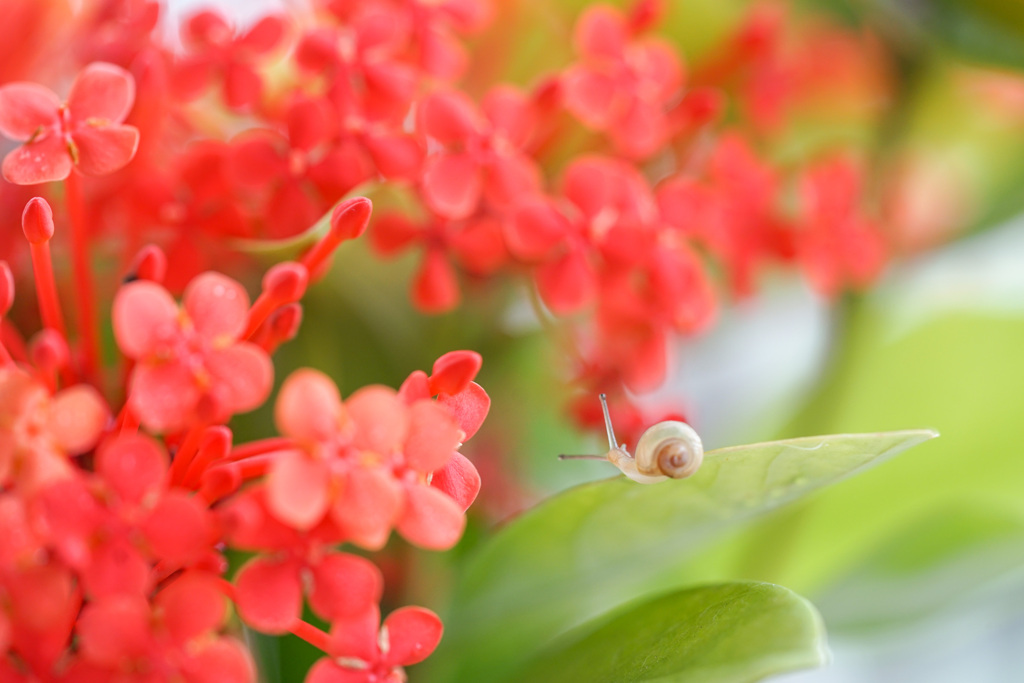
x: 667, y: 450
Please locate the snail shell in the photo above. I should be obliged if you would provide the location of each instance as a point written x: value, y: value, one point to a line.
x: 669, y: 449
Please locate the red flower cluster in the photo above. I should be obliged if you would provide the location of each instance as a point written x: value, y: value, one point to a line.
x: 628, y: 190
x: 112, y: 562
x: 623, y: 234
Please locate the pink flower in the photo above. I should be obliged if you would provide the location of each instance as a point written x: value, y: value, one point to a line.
x: 39, y: 431
x: 84, y: 132
x: 122, y: 635
x: 367, y: 463
x: 191, y: 364
x: 359, y: 653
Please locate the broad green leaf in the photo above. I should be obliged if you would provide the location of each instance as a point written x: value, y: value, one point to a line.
x: 926, y: 566
x: 602, y: 544
x: 729, y: 633
x: 961, y: 373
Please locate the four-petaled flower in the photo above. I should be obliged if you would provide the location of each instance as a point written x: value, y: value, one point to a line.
x: 192, y: 367
x: 360, y: 653
x: 86, y: 132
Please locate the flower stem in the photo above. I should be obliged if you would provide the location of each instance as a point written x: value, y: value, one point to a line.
x: 312, y: 635
x: 84, y: 290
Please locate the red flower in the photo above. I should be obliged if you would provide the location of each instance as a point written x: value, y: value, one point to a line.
x: 838, y: 245
x: 191, y: 364
x: 622, y: 86
x: 366, y: 462
x: 216, y: 50
x: 359, y: 653
x: 477, y: 244
x: 120, y: 637
x: 38, y: 431
x: 479, y: 156
x: 85, y: 132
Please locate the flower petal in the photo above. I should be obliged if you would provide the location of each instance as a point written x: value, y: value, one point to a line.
x: 357, y: 636
x: 242, y: 85
x: 327, y: 670
x: 433, y: 437
x: 297, y: 489
x: 381, y: 419
x: 452, y: 185
x: 268, y: 594
x: 453, y: 371
x: 132, y: 465
x: 263, y: 37
x: 601, y: 33
x: 192, y: 606
x: 177, y: 528
x: 255, y: 158
x: 25, y: 108
x: 568, y: 284
x: 344, y: 586
x: 102, y: 91
x: 367, y: 507
x: 103, y: 150
x: 469, y: 407
x: 144, y: 314
x: 217, y: 306
x: 435, y: 288
x: 430, y: 520
x: 42, y: 161
x: 163, y: 396
x: 224, y: 660
x: 116, y: 567
x: 459, y: 480
x: 77, y: 417
x: 535, y: 229
x: 115, y: 629
x: 309, y: 406
x: 448, y: 117
x: 241, y: 377
x: 413, y: 633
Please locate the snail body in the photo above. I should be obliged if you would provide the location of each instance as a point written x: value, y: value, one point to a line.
x: 667, y: 450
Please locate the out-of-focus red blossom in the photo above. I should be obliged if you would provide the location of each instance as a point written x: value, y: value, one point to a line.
x: 84, y: 133
x: 296, y: 561
x: 39, y: 431
x: 192, y: 366
x: 623, y: 85
x: 359, y: 652
x: 479, y: 156
x: 734, y: 213
x: 840, y: 248
x: 216, y: 51
x: 112, y: 528
x: 174, y: 635
x: 476, y: 244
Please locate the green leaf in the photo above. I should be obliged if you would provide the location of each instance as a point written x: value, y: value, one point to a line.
x: 926, y: 566
x: 600, y: 545
x: 959, y: 371
x: 730, y: 633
